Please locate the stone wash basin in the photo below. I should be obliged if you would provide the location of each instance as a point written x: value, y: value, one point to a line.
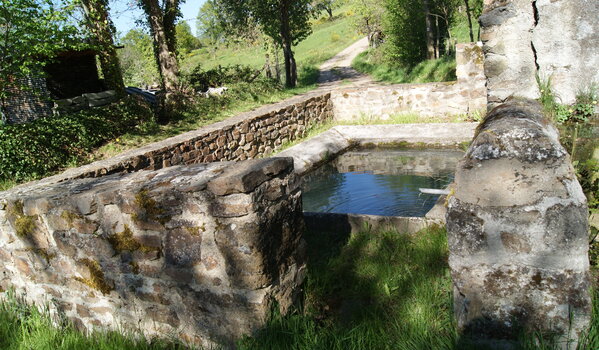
x: 380, y: 181
x: 345, y: 157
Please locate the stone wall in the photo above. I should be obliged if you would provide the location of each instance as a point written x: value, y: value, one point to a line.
x: 200, y: 252
x: 558, y: 40
x: 246, y: 136
x: 26, y: 101
x: 467, y: 95
x: 518, y: 230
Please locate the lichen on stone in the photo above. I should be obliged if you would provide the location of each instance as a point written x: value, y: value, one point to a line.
x: 96, y: 280
x: 69, y: 216
x: 196, y: 231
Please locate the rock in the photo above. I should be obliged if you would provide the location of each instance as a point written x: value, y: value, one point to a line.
x: 517, y: 230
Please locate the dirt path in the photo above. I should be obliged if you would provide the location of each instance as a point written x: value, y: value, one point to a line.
x: 339, y: 68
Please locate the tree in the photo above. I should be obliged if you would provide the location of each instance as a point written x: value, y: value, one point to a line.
x: 186, y: 41
x: 324, y: 5
x: 161, y: 19
x: 32, y: 32
x: 414, y: 31
x: 369, y: 16
x: 285, y: 21
x: 99, y: 24
x: 208, y: 23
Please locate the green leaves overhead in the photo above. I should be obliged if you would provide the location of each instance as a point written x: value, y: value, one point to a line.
x: 31, y: 33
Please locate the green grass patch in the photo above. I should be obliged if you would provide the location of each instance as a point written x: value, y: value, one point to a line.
x: 372, y: 63
x: 373, y: 290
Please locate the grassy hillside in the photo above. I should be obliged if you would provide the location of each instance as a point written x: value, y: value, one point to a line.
x: 327, y: 39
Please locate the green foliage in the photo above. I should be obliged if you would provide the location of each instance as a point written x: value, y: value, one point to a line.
x: 31, y: 34
x: 405, y: 28
x: 35, y: 149
x: 137, y: 59
x: 208, y: 24
x: 367, y: 15
x: 276, y: 18
x: 373, y: 63
x: 201, y: 79
x: 186, y: 41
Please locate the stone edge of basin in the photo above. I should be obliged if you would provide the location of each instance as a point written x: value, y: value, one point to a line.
x: 346, y: 224
x: 312, y: 153
x: 321, y: 148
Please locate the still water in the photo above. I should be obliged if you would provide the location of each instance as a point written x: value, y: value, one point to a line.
x: 379, y: 182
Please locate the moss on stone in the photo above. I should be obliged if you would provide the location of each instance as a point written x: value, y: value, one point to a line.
x: 43, y: 253
x: 134, y: 267
x: 24, y: 224
x: 195, y: 231
x: 149, y: 207
x: 69, y: 216
x: 124, y: 241
x: 96, y: 280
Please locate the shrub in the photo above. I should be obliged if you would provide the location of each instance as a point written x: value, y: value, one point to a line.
x: 201, y: 80
x: 35, y: 149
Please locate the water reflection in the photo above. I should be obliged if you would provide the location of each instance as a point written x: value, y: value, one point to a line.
x: 389, y: 187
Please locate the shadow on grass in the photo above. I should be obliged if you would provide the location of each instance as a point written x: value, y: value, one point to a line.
x: 369, y: 291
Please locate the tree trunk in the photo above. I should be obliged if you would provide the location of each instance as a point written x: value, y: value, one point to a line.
x: 96, y: 13
x: 329, y: 10
x: 165, y: 57
x: 171, y: 12
x: 290, y: 67
x: 469, y: 20
x: 430, y: 36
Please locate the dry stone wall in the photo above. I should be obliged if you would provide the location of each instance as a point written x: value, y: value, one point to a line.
x: 467, y: 95
x: 554, y: 39
x: 246, y: 136
x: 518, y: 230
x: 200, y: 252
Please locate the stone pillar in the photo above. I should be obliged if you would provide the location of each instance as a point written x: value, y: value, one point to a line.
x: 470, y: 73
x: 557, y: 40
x: 518, y: 230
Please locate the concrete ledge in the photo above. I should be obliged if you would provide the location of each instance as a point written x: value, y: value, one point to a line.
x: 344, y: 224
x: 435, y: 134
x: 312, y: 153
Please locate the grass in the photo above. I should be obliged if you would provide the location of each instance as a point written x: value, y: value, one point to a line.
x: 328, y: 38
x: 370, y: 62
x: 25, y: 327
x: 370, y: 290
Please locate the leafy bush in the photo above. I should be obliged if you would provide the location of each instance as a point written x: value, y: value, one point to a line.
x: 35, y: 149
x: 201, y: 80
